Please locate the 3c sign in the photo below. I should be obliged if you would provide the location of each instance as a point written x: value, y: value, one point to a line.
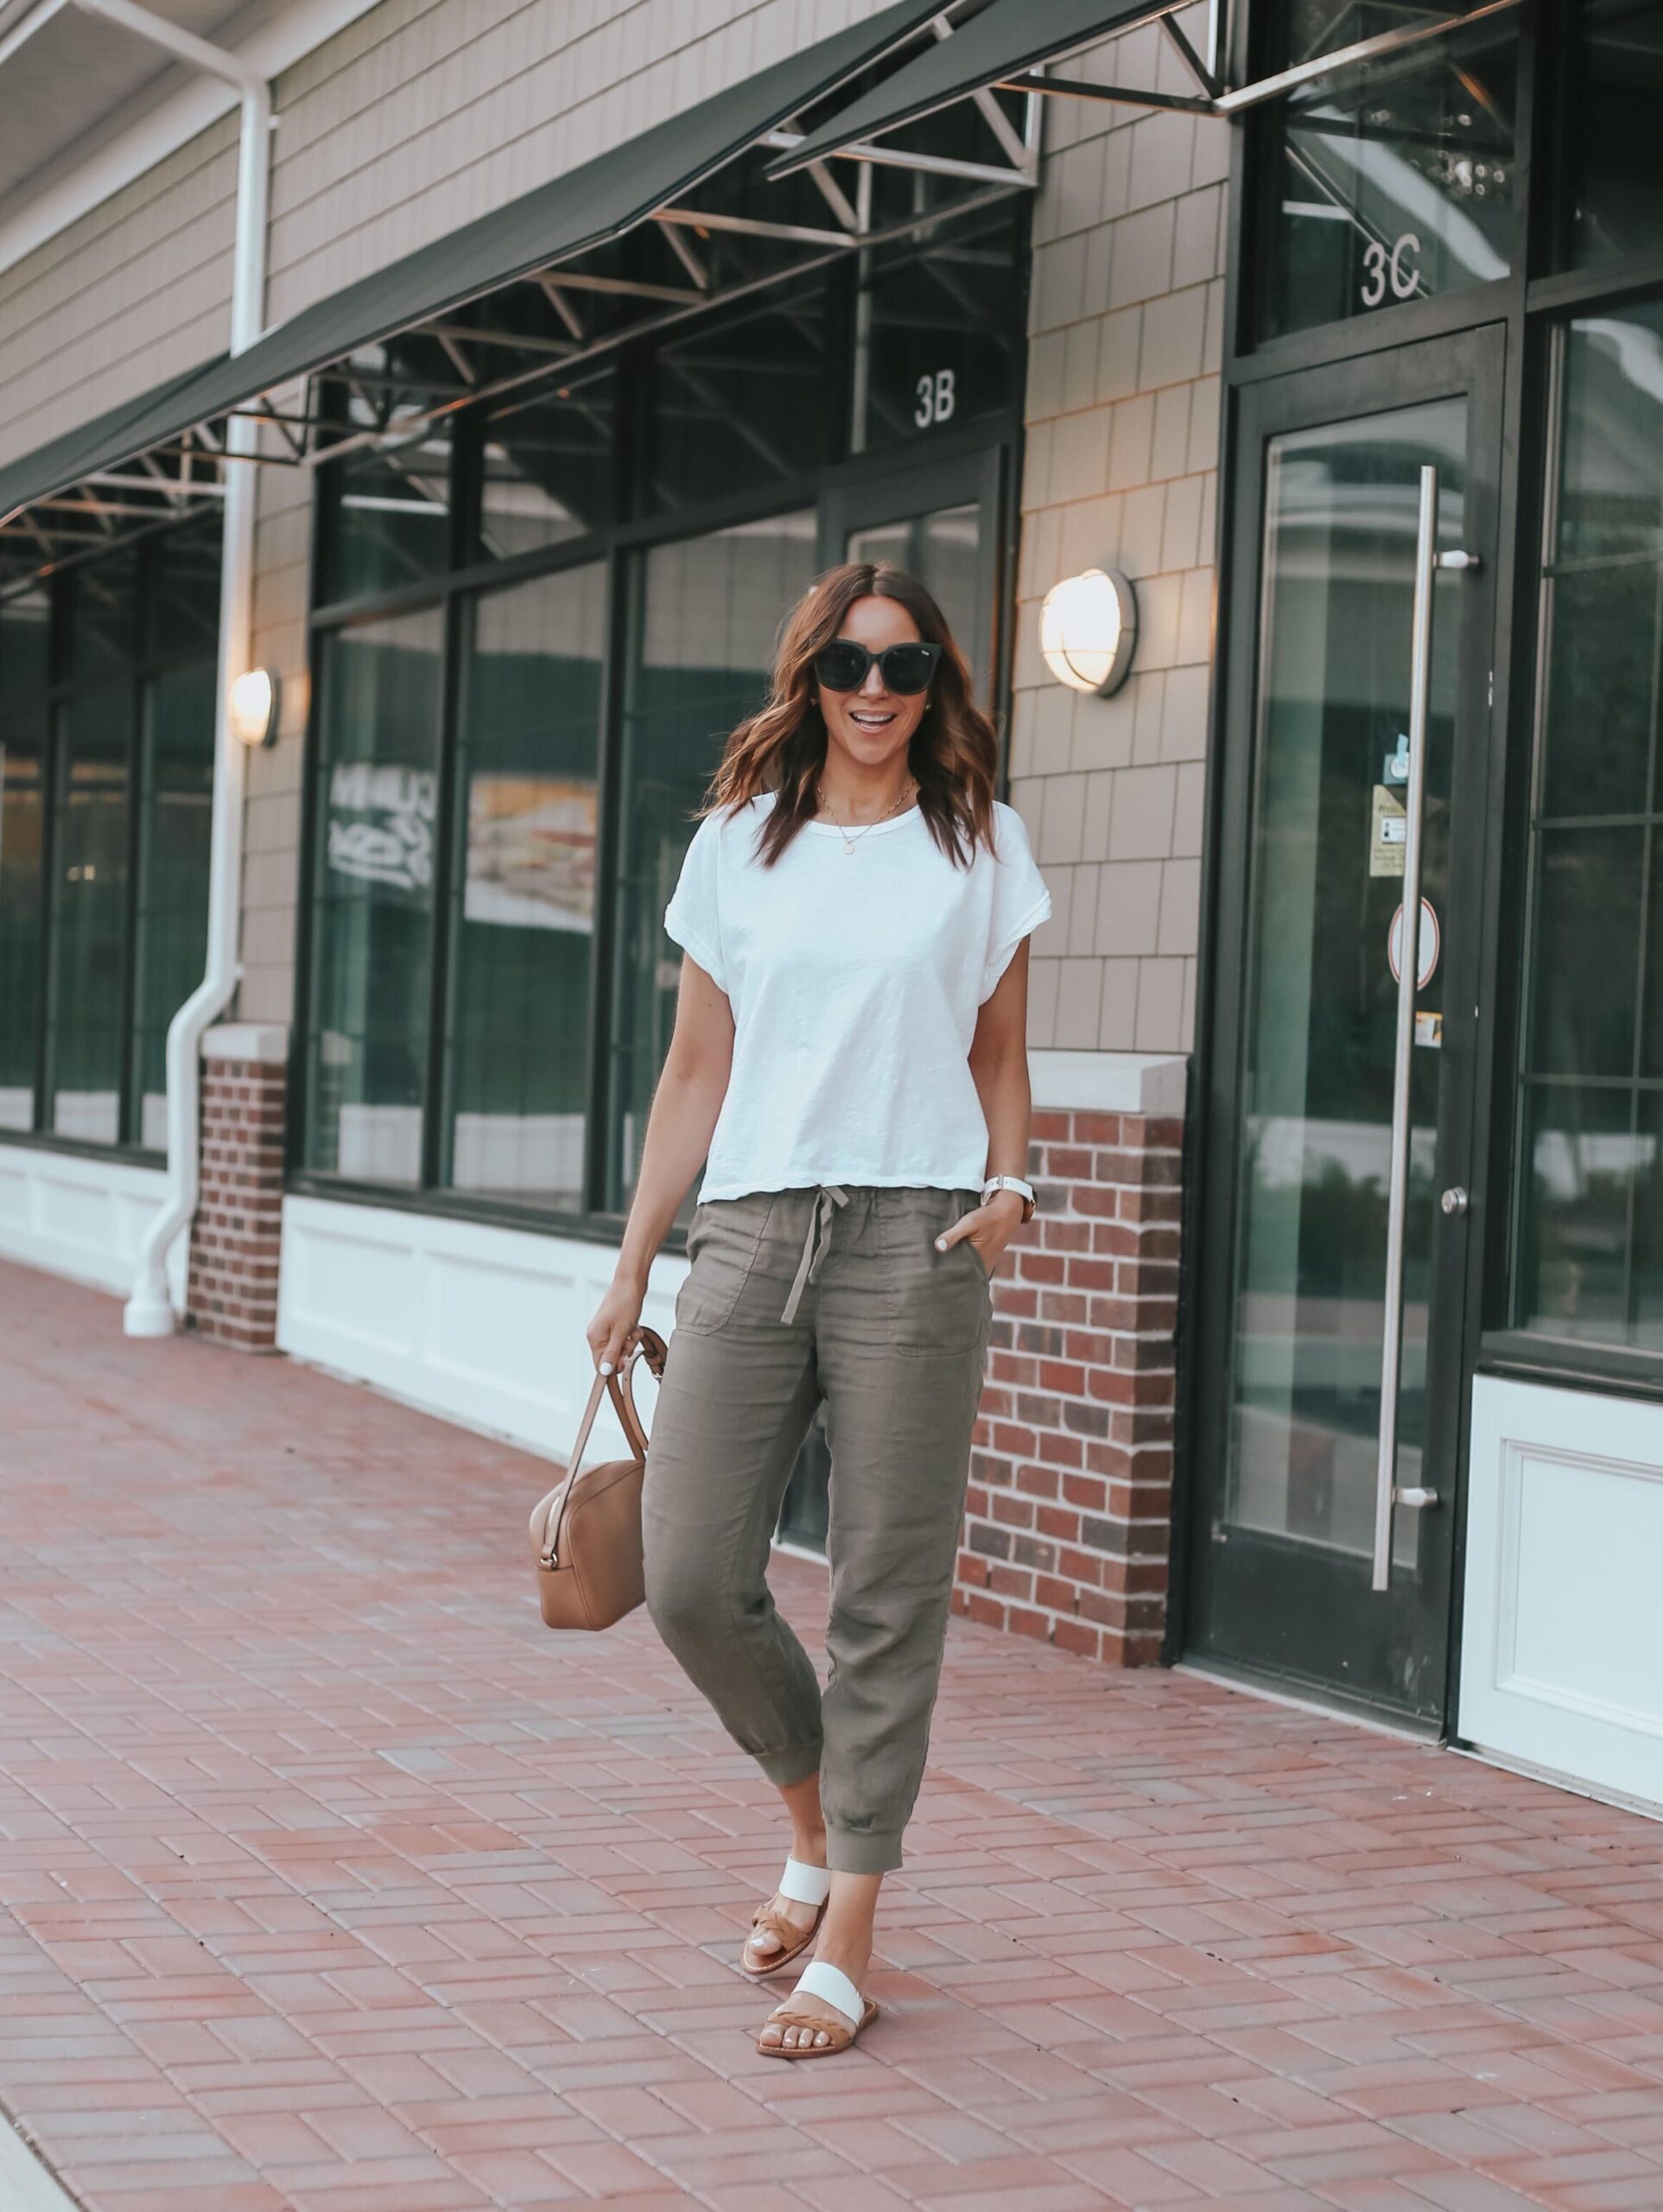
x: 1394, y: 266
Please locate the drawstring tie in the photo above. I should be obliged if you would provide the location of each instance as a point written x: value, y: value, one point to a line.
x: 817, y: 1243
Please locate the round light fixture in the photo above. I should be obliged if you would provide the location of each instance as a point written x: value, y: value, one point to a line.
x: 1088, y: 629
x: 255, y: 700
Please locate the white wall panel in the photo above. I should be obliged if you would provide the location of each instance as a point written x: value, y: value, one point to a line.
x: 80, y: 1217
x: 480, y: 1324
x: 1562, y: 1658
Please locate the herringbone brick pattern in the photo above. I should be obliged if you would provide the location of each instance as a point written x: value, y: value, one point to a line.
x: 336, y: 1883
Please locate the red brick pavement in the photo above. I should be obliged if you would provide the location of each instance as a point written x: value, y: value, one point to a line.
x: 336, y: 1883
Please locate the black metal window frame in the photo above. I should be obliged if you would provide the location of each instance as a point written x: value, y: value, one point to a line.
x: 61, y: 690
x: 994, y: 439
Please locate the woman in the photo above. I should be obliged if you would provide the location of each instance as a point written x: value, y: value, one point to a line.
x: 850, y: 1060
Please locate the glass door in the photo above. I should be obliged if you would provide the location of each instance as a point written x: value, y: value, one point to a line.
x: 1331, y: 1265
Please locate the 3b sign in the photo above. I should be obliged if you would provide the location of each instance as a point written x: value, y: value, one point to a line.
x: 937, y: 397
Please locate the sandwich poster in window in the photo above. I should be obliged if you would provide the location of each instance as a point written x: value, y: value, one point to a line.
x: 531, y: 852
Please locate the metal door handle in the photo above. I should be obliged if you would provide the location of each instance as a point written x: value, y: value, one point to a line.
x: 1454, y: 1201
x: 1428, y: 561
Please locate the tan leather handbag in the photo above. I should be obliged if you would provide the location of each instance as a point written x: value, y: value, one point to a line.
x: 586, y: 1533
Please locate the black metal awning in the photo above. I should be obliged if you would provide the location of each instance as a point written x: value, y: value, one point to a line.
x: 1001, y: 45
x: 665, y: 224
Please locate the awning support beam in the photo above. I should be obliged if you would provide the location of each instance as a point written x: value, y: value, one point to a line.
x: 1192, y: 61
x: 898, y: 157
x: 1016, y: 151
x: 1118, y: 95
x: 681, y: 247
x: 751, y: 226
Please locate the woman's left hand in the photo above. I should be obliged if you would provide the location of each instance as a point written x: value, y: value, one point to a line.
x: 989, y: 1228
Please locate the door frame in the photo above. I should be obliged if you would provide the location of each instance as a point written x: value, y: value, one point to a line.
x: 1472, y: 363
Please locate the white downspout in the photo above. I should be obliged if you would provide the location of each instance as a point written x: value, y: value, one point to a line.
x: 148, y: 1312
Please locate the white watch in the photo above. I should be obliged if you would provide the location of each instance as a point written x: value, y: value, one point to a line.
x: 1023, y: 1190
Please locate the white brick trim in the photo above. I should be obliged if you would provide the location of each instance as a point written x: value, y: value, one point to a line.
x: 247, y: 1040
x: 1109, y: 1083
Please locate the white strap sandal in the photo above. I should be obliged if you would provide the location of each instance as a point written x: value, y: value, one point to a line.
x: 804, y: 1884
x: 833, y: 1987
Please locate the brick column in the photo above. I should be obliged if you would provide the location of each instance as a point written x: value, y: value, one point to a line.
x: 1068, y: 1526
x: 235, y: 1239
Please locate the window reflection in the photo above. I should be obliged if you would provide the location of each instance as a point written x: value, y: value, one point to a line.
x: 175, y: 804
x: 705, y: 617
x: 89, y: 907
x: 1393, y: 180
x: 389, y: 503
x: 938, y: 331
x: 1320, y: 1016
x: 171, y: 915
x: 373, y: 887
x: 548, y: 469
x: 1588, y: 1240
x: 522, y: 920
x: 745, y: 404
x: 24, y: 631
x: 943, y: 550
x: 1610, y: 495
x: 1614, y: 96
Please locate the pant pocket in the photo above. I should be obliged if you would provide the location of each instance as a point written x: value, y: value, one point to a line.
x: 723, y: 1239
x: 938, y: 1301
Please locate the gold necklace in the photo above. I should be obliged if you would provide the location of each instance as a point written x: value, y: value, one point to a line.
x: 849, y: 843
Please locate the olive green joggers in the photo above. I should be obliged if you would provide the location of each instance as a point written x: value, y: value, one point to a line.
x: 834, y: 1291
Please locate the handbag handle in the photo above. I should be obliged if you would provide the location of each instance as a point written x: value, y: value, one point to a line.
x: 652, y: 1346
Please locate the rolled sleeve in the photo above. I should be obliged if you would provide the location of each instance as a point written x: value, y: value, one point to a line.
x: 1021, y: 901
x: 693, y: 918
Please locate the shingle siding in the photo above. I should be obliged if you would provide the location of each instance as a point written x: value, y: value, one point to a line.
x: 1126, y: 332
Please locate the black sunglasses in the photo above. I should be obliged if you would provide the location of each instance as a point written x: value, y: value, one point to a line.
x: 906, y: 670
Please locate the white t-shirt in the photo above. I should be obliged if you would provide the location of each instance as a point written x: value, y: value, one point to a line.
x: 855, y: 980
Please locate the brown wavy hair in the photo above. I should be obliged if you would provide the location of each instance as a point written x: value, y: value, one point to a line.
x: 954, y: 752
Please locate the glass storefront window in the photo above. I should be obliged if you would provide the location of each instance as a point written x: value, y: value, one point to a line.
x: 707, y: 615
x: 522, y: 902
x: 1587, y: 1213
x: 1614, y: 88
x: 372, y: 889
x: 745, y: 404
x: 1393, y: 180
x: 176, y: 804
x: 171, y: 915
x: 547, y: 469
x: 505, y: 781
x: 101, y: 629
x: 392, y: 524
x: 24, y: 630
x: 89, y: 916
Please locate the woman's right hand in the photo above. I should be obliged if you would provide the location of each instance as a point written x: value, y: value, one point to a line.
x: 614, y: 1322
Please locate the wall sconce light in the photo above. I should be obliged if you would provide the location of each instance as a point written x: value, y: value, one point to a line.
x: 1088, y: 630
x: 255, y: 697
